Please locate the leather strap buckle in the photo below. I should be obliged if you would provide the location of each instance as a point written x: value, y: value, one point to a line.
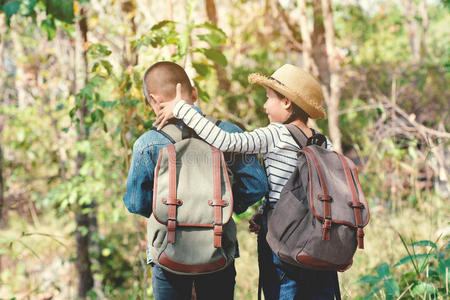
x: 220, y: 202
x: 327, y: 224
x: 172, y: 201
x: 323, y: 197
x: 356, y: 205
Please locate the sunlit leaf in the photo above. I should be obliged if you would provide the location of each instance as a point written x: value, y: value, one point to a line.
x: 60, y: 9
x: 424, y: 244
x: 369, y: 279
x: 406, y: 259
x: 202, y: 69
x: 214, y: 55
x: 162, y: 24
x: 383, y: 270
x: 48, y: 26
x: 422, y: 288
x: 10, y: 8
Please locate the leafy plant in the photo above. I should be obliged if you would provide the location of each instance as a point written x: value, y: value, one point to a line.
x: 427, y: 280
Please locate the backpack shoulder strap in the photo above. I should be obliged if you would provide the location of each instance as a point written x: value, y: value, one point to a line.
x: 215, y: 121
x: 174, y: 134
x: 299, y: 136
x: 171, y: 132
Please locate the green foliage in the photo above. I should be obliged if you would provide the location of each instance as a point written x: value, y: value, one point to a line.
x: 10, y: 8
x: 428, y: 278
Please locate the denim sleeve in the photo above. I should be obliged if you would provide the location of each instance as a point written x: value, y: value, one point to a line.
x: 249, y: 179
x: 139, y: 194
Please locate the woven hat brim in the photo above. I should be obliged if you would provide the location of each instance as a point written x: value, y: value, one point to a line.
x: 314, y: 111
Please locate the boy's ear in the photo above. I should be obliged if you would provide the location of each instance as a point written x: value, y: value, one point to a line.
x: 194, y: 94
x: 286, y: 103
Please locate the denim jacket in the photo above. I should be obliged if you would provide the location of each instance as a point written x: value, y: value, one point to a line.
x: 249, y: 179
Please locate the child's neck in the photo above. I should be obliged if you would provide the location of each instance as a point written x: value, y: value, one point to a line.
x: 303, y: 127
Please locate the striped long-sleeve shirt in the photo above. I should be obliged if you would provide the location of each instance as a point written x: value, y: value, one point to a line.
x: 274, y: 142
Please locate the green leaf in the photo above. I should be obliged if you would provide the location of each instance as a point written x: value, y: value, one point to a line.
x: 213, y: 39
x: 72, y: 112
x: 443, y: 266
x: 214, y: 55
x: 28, y: 7
x: 412, y: 258
x: 60, y: 9
x: 424, y: 244
x: 10, y: 8
x: 97, y: 115
x: 107, y: 65
x: 87, y: 92
x: 369, y: 279
x: 48, y: 26
x: 162, y: 24
x: 391, y: 287
x: 203, y: 70
x: 202, y: 95
x: 422, y: 288
x: 212, y: 28
x: 107, y: 104
x: 98, y: 50
x: 383, y: 270
x: 83, y: 230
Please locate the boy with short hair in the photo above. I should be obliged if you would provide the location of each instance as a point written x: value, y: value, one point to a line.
x: 249, y: 186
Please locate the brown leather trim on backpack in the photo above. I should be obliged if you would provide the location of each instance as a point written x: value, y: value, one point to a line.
x: 311, y: 197
x: 318, y: 264
x: 355, y: 171
x: 357, y: 206
x: 179, y: 267
x: 217, y: 201
x: 202, y: 225
x: 325, y: 197
x: 172, y: 201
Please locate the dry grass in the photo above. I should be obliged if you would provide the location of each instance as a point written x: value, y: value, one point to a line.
x: 38, y: 267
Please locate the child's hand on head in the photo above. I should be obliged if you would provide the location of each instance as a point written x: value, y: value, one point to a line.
x: 166, y: 109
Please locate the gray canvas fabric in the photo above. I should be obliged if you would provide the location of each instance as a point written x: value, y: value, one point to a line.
x: 195, y: 217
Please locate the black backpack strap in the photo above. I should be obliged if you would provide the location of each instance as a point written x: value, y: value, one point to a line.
x: 302, y: 140
x: 174, y: 134
x: 299, y: 136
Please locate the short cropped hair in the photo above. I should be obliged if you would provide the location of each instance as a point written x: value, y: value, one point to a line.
x: 162, y: 77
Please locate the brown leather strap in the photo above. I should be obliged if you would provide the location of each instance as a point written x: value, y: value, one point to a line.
x: 172, y: 201
x: 324, y: 197
x: 356, y: 205
x: 180, y: 267
x: 217, y: 201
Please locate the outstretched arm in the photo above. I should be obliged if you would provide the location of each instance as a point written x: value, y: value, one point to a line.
x: 261, y: 140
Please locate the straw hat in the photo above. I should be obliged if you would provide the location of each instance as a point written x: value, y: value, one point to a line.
x: 296, y: 85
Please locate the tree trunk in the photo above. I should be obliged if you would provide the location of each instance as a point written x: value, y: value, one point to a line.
x: 319, y: 50
x: 423, y: 14
x: 307, y: 54
x: 2, y: 203
x: 83, y: 219
x: 333, y: 97
x: 211, y: 11
x: 410, y: 11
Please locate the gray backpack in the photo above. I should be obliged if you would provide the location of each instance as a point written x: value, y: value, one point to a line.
x: 191, y: 230
x: 319, y: 219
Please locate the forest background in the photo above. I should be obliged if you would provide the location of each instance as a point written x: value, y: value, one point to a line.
x: 72, y: 107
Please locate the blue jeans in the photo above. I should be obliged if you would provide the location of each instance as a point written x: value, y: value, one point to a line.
x: 170, y: 286
x: 282, y: 281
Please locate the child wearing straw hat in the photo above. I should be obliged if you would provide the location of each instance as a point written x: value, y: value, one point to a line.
x: 293, y: 96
